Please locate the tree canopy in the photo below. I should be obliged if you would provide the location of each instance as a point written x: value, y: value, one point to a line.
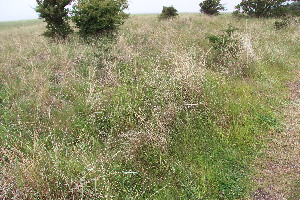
x: 168, y: 12
x: 262, y: 8
x: 211, y: 7
x: 94, y: 17
x: 55, y: 13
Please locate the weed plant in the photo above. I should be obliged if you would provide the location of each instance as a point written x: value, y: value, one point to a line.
x: 285, y: 22
x: 142, y: 117
x: 233, y: 53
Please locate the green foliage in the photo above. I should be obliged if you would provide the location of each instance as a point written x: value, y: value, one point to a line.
x: 168, y: 12
x: 94, y: 17
x: 295, y: 5
x: 262, y: 8
x: 55, y: 14
x: 294, y: 8
x: 211, y: 7
x: 225, y: 41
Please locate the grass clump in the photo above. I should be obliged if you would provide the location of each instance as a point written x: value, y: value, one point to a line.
x: 144, y: 116
x: 285, y: 22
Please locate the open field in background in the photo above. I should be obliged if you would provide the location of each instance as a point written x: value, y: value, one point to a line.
x: 19, y: 24
x: 156, y: 113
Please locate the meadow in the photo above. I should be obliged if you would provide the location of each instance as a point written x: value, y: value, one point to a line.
x: 155, y: 112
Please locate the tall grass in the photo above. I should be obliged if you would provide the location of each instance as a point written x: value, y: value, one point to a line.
x: 149, y: 114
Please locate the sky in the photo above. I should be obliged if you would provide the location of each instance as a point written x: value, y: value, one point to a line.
x: 24, y: 9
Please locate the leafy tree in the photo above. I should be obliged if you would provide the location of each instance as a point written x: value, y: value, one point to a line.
x: 55, y: 13
x: 168, y: 12
x: 94, y: 17
x: 262, y: 8
x: 211, y: 7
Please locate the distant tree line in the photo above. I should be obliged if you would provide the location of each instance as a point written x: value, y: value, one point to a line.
x: 254, y: 8
x: 97, y: 17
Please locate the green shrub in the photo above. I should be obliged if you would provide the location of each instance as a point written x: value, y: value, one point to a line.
x: 224, y: 41
x: 230, y: 55
x: 168, y: 12
x: 262, y: 8
x: 94, y: 17
x: 55, y: 14
x: 211, y: 7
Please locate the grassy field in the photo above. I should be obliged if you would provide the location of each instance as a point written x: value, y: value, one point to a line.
x: 155, y: 113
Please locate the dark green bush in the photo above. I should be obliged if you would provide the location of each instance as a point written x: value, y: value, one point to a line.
x: 96, y: 17
x: 211, y: 7
x: 168, y: 12
x: 55, y: 14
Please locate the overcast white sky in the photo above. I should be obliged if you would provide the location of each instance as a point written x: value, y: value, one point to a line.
x: 23, y: 9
